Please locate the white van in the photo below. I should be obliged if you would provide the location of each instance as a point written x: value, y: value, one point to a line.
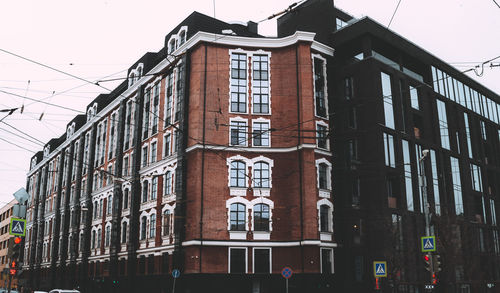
x: 63, y: 291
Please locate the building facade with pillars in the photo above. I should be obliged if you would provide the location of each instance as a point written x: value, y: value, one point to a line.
x: 212, y: 157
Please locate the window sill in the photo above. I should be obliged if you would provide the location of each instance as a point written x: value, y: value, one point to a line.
x: 261, y: 235
x: 237, y: 191
x: 238, y: 235
x: 325, y: 236
x: 325, y: 193
x: 261, y: 192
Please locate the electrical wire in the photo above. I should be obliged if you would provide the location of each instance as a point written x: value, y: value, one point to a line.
x: 496, y: 3
x: 393, y: 14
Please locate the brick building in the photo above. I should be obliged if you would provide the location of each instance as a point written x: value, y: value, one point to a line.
x: 5, y: 214
x: 223, y: 154
x: 205, y: 159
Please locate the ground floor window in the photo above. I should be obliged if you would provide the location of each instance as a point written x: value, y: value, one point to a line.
x: 262, y: 260
x: 327, y: 260
x: 237, y: 260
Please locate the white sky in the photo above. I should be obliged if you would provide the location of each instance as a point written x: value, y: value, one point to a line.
x: 104, y: 37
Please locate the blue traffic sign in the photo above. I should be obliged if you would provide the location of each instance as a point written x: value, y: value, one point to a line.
x: 17, y: 227
x: 176, y: 273
x: 286, y: 272
x: 380, y: 269
x: 428, y: 243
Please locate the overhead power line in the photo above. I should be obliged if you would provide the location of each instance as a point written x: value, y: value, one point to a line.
x: 496, y: 3
x: 39, y: 101
x: 393, y: 14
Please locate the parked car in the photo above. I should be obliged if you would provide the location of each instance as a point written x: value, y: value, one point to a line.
x: 64, y: 291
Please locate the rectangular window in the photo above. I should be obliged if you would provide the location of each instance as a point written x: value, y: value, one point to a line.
x: 176, y: 141
x: 238, y: 133
x: 145, y: 119
x: 483, y: 129
x: 496, y: 242
x: 103, y: 148
x: 153, y: 152
x: 414, y: 98
x: 348, y: 88
x: 476, y: 177
x: 320, y: 87
x: 467, y: 135
x: 387, y: 98
x: 145, y: 156
x: 457, y: 186
x: 125, y: 166
x: 408, y: 176
x: 166, y: 145
x: 238, y: 82
x: 493, y: 212
x: 154, y: 188
x: 128, y: 119
x: 169, y: 98
x: 112, y: 136
x: 326, y: 260
x: 262, y: 260
x: 260, y: 84
x: 260, y: 133
x: 156, y: 105
x: 389, y: 150
x: 352, y: 119
x: 237, y: 261
x: 435, y: 183
x: 322, y: 134
x: 443, y: 124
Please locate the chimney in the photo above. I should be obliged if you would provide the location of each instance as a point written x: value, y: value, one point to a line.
x: 252, y: 27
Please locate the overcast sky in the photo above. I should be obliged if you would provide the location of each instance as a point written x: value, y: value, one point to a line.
x: 99, y: 39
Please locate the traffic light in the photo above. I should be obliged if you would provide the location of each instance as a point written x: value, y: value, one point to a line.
x: 16, y: 248
x: 428, y: 262
x: 436, y: 265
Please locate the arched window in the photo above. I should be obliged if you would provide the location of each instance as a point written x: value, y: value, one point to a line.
x: 238, y: 174
x: 238, y: 217
x: 125, y: 199
x: 168, y: 183
x: 143, y: 227
x: 323, y: 173
x: 261, y: 217
x: 182, y: 38
x: 166, y: 222
x: 152, y: 226
x: 261, y: 175
x: 171, y: 46
x: 124, y: 232
x: 324, y: 218
x: 107, y: 236
x: 145, y: 191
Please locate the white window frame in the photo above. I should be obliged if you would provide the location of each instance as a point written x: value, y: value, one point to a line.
x: 238, y: 191
x: 324, y: 192
x: 245, y: 133
x: 270, y: 258
x: 247, y: 82
x: 261, y: 52
x: 322, y: 123
x: 331, y: 259
x: 268, y: 132
x: 325, y: 87
x: 229, y: 258
x: 321, y: 202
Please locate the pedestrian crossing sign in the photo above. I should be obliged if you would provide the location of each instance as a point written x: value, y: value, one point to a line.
x: 380, y: 269
x: 428, y: 243
x: 17, y: 227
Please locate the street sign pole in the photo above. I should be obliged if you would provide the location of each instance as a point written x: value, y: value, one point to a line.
x: 175, y: 274
x: 173, y: 288
x: 286, y: 285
